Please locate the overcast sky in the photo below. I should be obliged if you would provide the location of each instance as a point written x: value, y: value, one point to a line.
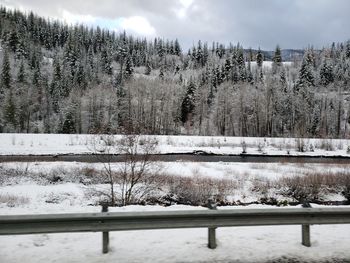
x: 253, y: 23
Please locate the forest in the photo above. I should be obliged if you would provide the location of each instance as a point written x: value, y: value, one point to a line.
x: 60, y: 78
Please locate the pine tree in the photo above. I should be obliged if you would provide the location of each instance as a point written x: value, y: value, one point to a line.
x: 205, y: 54
x: 148, y: 69
x: 306, y: 77
x: 80, y: 78
x: 326, y: 73
x: 277, y: 58
x: 177, y: 48
x: 21, y: 76
x: 161, y: 72
x: 241, y: 65
x: 106, y: 62
x: 68, y: 126
x: 259, y: 58
x: 283, y: 79
x: 6, y: 78
x: 128, y: 68
x: 227, y: 66
x: 347, y: 49
x: 188, y: 103
x: 249, y: 74
x: 56, y: 84
x: 36, y: 77
x: 10, y: 112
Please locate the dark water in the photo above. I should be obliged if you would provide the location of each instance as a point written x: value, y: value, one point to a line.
x: 91, y: 158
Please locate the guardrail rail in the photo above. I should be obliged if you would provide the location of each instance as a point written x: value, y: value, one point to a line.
x: 211, y: 219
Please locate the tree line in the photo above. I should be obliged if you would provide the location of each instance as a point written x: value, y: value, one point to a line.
x: 59, y: 78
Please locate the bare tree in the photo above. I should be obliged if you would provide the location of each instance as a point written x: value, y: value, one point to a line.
x: 135, y: 175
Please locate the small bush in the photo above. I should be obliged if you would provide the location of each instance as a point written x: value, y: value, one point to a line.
x: 302, y: 187
x: 13, y: 200
x: 244, y: 147
x: 344, y: 179
x: 327, y: 145
x: 260, y: 147
x: 197, y: 190
x: 301, y: 145
x: 311, y: 147
x: 56, y: 198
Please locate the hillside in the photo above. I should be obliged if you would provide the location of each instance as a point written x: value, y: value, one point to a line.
x: 57, y: 78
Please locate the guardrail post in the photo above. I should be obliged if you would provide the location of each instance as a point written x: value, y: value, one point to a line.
x: 212, y: 230
x: 105, y: 235
x: 305, y: 229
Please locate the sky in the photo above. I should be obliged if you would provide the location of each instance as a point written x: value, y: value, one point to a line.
x: 253, y: 23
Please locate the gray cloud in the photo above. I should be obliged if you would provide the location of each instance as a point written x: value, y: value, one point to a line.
x: 265, y: 23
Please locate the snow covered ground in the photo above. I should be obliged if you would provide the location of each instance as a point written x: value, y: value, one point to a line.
x: 23, y: 193
x: 330, y: 243
x: 36, y: 144
x: 235, y: 244
x: 34, y: 184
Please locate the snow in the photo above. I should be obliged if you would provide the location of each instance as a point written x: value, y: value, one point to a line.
x: 235, y: 244
x: 268, y: 64
x: 40, y: 144
x: 38, y: 194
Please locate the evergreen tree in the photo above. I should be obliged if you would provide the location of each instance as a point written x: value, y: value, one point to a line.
x: 106, y: 62
x: 148, y: 69
x: 347, y: 50
x: 188, y: 102
x: 36, y: 77
x: 326, y: 73
x: 306, y: 77
x: 6, y: 78
x: 68, y: 126
x: 56, y: 84
x: 259, y: 58
x: 10, y: 112
x: 177, y: 48
x: 161, y: 72
x: 128, y: 68
x: 21, y: 76
x: 277, y: 58
x: 249, y: 74
x: 80, y: 78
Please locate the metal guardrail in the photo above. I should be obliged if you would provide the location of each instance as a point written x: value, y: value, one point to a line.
x: 211, y: 219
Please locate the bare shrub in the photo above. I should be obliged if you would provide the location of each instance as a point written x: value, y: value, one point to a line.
x: 288, y: 148
x: 302, y: 188
x: 88, y: 175
x: 344, y: 179
x: 13, y: 175
x: 134, y: 177
x: 189, y: 191
x: 60, y: 197
x: 301, y: 145
x: 314, y: 185
x: 257, y: 166
x: 13, y: 200
x: 340, y: 145
x: 327, y: 145
x: 261, y: 185
x: 244, y: 147
x: 197, y: 190
x: 262, y: 146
